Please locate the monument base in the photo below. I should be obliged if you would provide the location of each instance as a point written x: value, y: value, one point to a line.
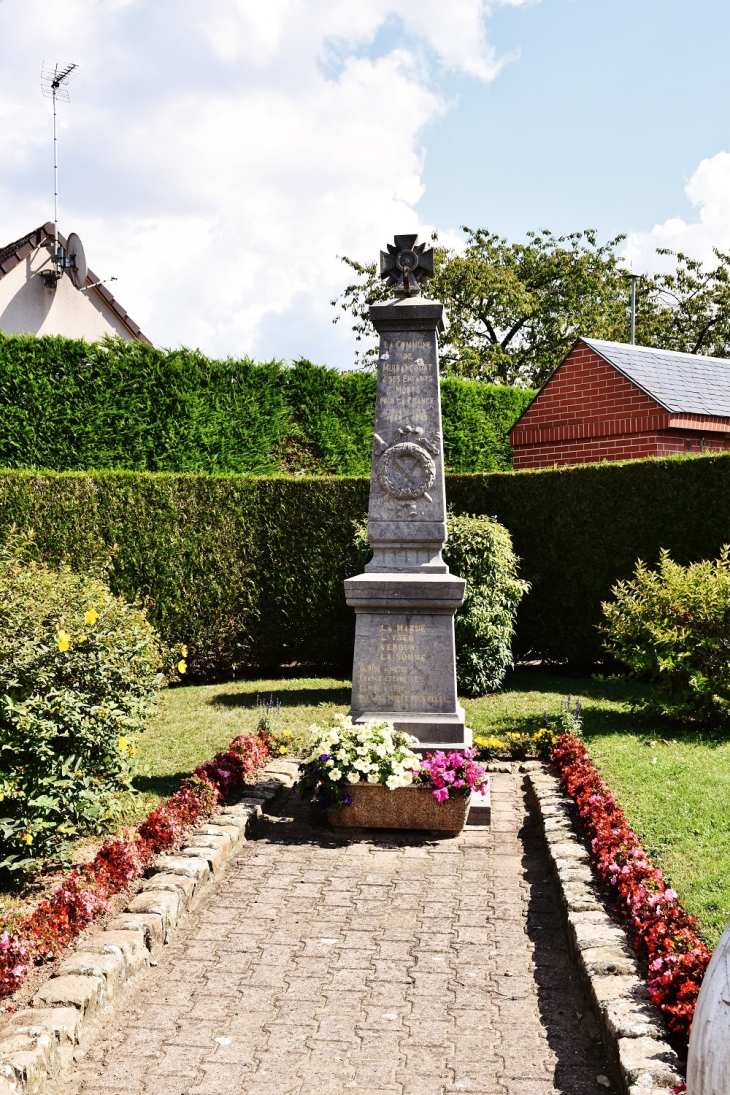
x: 433, y: 730
x: 405, y: 658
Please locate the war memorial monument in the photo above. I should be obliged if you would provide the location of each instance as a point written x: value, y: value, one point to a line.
x: 405, y: 659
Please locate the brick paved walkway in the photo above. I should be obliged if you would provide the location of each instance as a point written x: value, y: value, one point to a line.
x: 404, y: 966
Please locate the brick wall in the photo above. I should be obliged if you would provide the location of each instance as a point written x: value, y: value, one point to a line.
x: 588, y: 411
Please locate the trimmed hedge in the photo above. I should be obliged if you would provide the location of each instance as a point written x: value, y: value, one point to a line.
x: 67, y: 405
x: 580, y: 529
x: 251, y: 570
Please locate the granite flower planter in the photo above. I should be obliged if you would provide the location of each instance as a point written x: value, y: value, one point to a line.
x: 376, y: 807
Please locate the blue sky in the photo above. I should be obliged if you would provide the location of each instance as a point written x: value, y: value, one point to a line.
x: 217, y: 158
x: 601, y: 121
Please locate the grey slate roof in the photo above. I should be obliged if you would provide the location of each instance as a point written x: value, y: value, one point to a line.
x: 682, y: 383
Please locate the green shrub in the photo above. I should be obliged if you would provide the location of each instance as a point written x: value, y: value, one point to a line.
x: 478, y: 549
x: 68, y: 405
x: 250, y: 570
x: 672, y: 626
x: 80, y: 671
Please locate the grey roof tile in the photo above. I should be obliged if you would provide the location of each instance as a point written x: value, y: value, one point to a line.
x: 682, y: 383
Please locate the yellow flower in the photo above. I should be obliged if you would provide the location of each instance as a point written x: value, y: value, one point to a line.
x: 62, y: 645
x: 181, y: 666
x: 91, y: 616
x: 122, y: 745
x: 283, y: 749
x: 184, y: 651
x: 28, y: 838
x: 132, y: 751
x: 63, y: 638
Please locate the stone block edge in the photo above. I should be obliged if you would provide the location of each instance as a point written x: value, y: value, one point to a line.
x: 34, y: 1048
x: 632, y: 1028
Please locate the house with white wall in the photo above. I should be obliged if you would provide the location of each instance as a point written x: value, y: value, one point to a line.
x: 33, y: 301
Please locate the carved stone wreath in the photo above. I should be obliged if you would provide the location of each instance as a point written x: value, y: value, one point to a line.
x: 406, y: 471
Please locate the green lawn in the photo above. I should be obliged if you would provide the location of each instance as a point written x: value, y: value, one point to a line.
x: 676, y: 796
x: 196, y: 722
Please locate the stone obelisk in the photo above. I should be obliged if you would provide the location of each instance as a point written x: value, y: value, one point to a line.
x: 405, y: 660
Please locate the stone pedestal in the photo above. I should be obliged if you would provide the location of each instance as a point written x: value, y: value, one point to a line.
x: 405, y: 664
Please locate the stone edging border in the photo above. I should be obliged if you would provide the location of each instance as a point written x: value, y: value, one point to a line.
x: 632, y: 1026
x: 37, y: 1044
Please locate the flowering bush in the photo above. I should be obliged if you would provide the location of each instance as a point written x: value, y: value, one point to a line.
x: 80, y: 673
x: 518, y: 744
x: 83, y: 895
x: 374, y: 752
x: 453, y: 772
x: 345, y: 754
x: 663, y: 933
x: 537, y: 738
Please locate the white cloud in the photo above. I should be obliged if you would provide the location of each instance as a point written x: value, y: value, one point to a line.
x: 709, y: 192
x: 217, y: 158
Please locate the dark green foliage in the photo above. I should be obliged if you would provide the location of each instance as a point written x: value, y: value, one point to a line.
x: 245, y: 569
x: 67, y: 405
x: 477, y: 418
x: 579, y: 530
x: 672, y: 626
x: 331, y: 420
x: 238, y: 568
x: 480, y: 550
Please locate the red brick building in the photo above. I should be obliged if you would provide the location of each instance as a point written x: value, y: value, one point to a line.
x: 613, y: 401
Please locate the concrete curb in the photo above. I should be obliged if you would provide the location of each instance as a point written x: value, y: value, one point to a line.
x: 633, y: 1028
x: 38, y: 1043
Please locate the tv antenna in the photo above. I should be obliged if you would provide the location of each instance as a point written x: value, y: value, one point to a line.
x: 54, y: 85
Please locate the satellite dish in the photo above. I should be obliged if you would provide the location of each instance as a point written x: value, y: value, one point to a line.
x: 76, y: 259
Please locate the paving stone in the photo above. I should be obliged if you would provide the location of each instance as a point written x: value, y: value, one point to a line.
x: 212, y: 856
x: 320, y: 964
x: 184, y: 884
x: 194, y: 867
x: 150, y: 924
x: 27, y: 1060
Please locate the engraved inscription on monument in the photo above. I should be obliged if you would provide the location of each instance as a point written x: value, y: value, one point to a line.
x: 405, y: 662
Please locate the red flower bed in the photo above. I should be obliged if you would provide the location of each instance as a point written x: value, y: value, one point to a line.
x: 663, y: 933
x: 83, y: 895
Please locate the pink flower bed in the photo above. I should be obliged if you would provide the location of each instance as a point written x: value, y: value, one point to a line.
x: 663, y: 934
x: 83, y: 895
x: 453, y: 771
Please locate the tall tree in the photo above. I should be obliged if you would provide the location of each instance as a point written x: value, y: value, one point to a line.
x: 687, y: 309
x: 515, y: 309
